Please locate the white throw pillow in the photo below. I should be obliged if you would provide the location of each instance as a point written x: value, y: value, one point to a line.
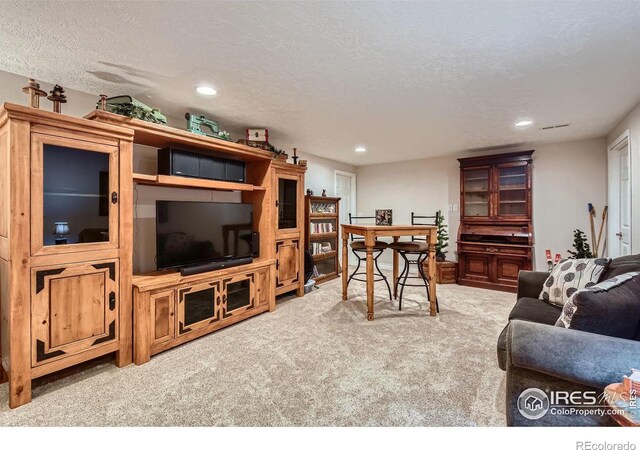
x: 570, y: 275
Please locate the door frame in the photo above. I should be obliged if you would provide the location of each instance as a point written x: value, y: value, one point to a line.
x: 353, y: 204
x: 613, y: 170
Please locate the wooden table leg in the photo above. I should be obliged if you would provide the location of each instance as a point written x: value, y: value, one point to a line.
x: 345, y: 265
x: 395, y: 269
x: 369, y: 247
x: 432, y: 271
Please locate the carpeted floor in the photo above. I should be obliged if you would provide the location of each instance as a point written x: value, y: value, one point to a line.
x: 316, y: 361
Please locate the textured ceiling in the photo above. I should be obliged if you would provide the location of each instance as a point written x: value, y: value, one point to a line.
x: 405, y: 79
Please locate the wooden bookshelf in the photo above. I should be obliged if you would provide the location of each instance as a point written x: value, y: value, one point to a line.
x: 321, y: 219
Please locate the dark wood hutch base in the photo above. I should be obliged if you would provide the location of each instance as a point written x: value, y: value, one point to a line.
x: 495, y: 237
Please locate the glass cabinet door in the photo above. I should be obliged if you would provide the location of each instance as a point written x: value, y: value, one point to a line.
x: 287, y: 205
x: 476, y: 192
x: 512, y: 190
x: 74, y: 195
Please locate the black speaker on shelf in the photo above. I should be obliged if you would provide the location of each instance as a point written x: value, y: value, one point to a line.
x: 234, y: 171
x: 199, y: 164
x: 212, y: 168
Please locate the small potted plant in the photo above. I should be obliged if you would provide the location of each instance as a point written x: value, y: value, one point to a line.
x: 446, y: 271
x: 443, y: 238
x: 580, y: 245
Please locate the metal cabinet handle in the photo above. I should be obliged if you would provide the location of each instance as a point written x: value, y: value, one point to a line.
x: 619, y: 235
x: 114, y: 197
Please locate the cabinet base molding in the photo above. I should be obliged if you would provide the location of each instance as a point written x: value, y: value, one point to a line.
x: 46, y: 369
x: 488, y: 285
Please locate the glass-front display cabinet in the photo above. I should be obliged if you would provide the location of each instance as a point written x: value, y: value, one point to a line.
x: 512, y: 190
x: 74, y: 202
x: 476, y: 192
x: 287, y: 203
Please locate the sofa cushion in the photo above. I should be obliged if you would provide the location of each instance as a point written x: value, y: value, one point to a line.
x: 570, y: 275
x: 535, y: 310
x: 621, y: 265
x: 531, y: 310
x: 610, y: 308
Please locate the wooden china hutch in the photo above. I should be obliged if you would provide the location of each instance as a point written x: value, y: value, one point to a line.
x: 495, y: 237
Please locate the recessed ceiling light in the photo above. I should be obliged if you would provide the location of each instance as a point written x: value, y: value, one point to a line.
x: 361, y: 149
x: 523, y: 123
x: 206, y: 90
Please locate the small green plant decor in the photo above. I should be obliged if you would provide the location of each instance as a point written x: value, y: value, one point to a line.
x: 443, y: 237
x: 581, y: 246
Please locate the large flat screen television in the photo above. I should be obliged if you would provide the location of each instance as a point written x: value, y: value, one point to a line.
x: 196, y: 233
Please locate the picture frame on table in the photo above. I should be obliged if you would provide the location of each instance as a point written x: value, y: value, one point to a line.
x: 384, y: 217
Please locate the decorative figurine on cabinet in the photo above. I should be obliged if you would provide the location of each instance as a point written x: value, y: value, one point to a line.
x: 34, y: 91
x: 199, y: 124
x: 57, y: 97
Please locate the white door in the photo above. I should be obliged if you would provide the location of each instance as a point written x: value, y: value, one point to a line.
x: 345, y: 188
x: 619, y: 221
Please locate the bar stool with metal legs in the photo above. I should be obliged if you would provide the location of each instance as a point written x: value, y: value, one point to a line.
x: 414, y: 252
x: 360, y: 251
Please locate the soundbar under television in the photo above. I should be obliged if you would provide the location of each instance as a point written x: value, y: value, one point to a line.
x: 190, y: 235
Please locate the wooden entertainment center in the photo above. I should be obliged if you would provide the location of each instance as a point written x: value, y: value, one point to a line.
x: 67, y: 300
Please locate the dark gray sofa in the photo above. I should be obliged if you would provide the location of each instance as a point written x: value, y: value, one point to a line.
x: 537, y: 354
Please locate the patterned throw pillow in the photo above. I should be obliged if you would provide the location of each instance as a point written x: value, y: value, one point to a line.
x: 570, y: 275
x: 611, y: 308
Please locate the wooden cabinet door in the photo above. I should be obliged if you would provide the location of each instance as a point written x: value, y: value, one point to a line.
x: 198, y: 306
x: 263, y: 287
x: 475, y: 266
x: 475, y: 192
x: 74, y: 307
x: 289, y: 202
x: 512, y: 190
x: 74, y: 195
x: 163, y: 315
x: 287, y: 262
x: 239, y: 294
x: 507, y: 269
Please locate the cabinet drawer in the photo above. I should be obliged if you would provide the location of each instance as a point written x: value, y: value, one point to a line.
x: 494, y: 249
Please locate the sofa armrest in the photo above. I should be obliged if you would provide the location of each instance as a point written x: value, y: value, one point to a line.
x: 576, y: 356
x: 530, y: 283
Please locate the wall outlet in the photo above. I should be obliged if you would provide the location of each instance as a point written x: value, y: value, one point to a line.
x: 455, y: 207
x: 450, y: 208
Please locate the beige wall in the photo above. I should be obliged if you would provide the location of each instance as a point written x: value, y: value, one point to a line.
x: 321, y: 173
x: 631, y: 122
x: 566, y: 177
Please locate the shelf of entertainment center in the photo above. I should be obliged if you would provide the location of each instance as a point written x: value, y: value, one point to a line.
x: 160, y: 136
x: 162, y: 279
x: 193, y: 183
